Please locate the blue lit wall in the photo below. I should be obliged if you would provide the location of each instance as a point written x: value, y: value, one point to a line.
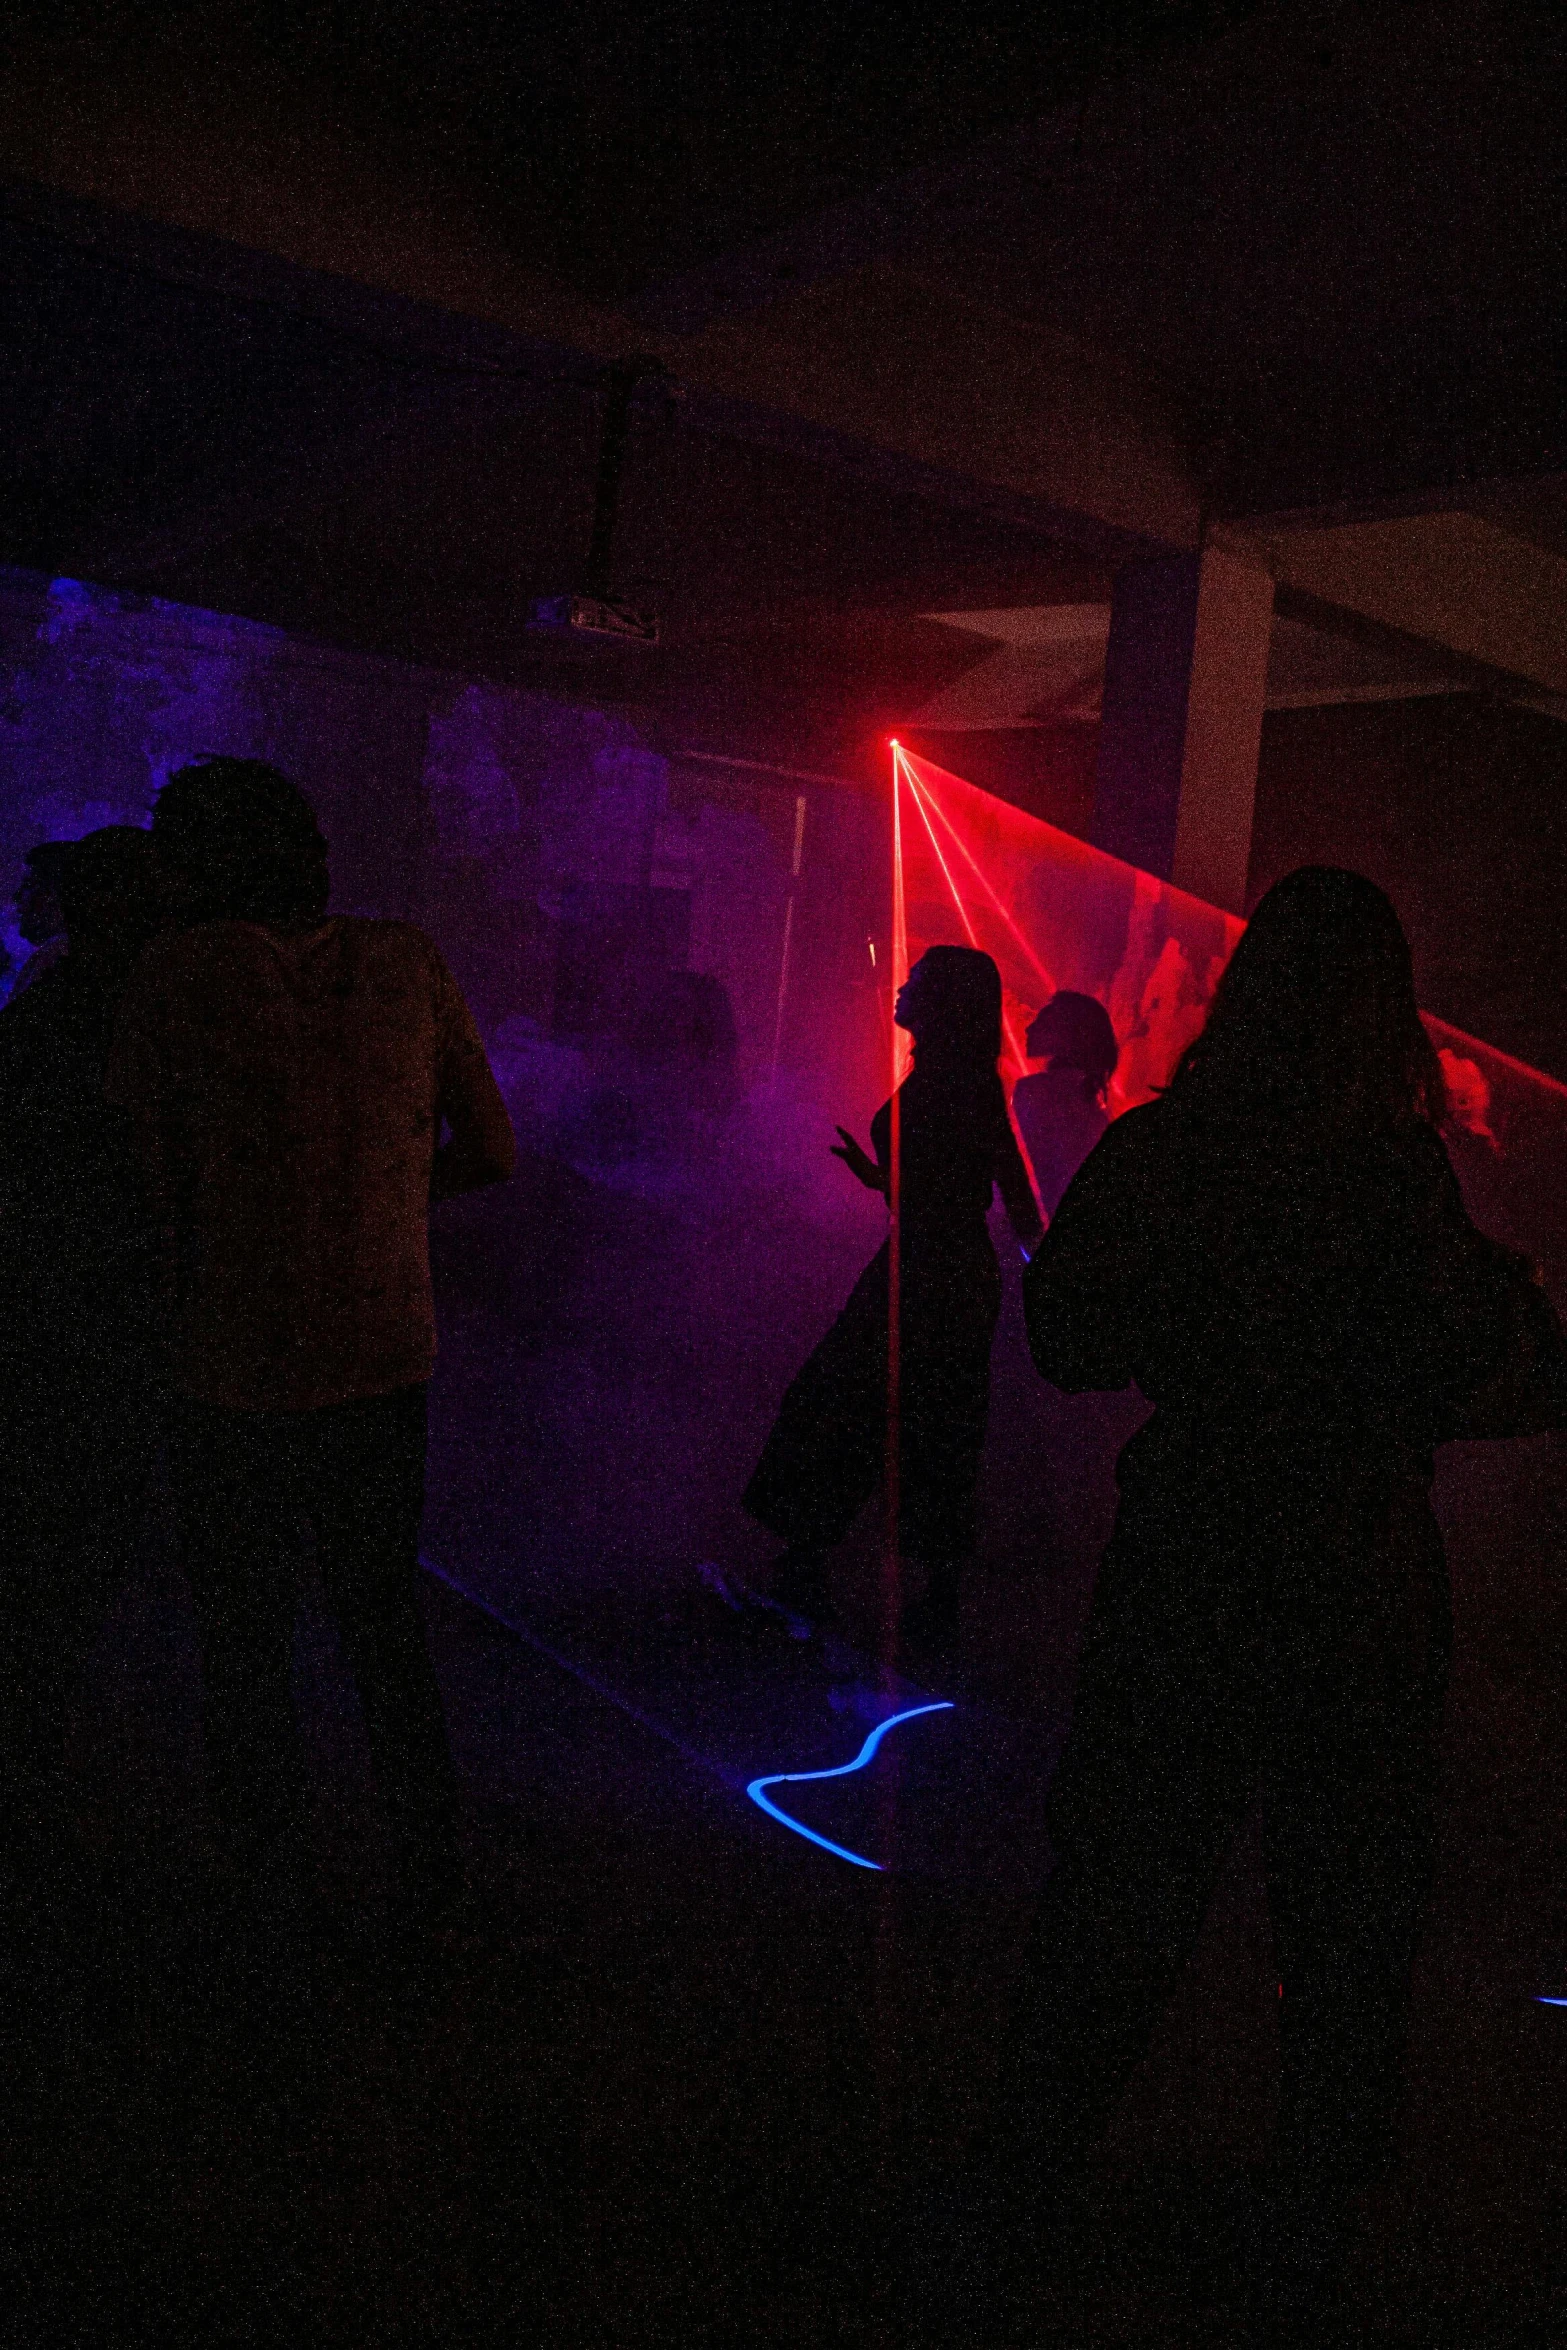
x: 489, y: 814
x: 101, y: 696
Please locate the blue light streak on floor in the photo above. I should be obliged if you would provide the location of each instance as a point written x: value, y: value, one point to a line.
x: 756, y: 1789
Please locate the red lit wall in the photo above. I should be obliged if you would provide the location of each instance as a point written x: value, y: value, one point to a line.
x: 1056, y: 913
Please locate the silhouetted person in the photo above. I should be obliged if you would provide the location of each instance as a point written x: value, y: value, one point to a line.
x: 1060, y: 1109
x: 40, y: 914
x: 1276, y: 1253
x: 289, y: 1076
x: 826, y: 1454
x: 79, y: 1391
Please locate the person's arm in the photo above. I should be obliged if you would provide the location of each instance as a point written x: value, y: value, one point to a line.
x: 1084, y: 1287
x: 480, y: 1147
x: 860, y: 1164
x: 1017, y: 1192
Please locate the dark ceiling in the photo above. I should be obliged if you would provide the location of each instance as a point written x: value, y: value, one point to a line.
x: 374, y: 478
x: 1330, y: 235
x: 1333, y: 235
x: 1347, y: 263
x: 617, y: 143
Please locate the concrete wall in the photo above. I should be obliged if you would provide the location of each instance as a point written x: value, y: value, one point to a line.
x: 563, y: 864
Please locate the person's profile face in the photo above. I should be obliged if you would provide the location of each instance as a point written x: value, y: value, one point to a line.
x: 1041, y: 1043
x: 1052, y: 1039
x: 911, y: 996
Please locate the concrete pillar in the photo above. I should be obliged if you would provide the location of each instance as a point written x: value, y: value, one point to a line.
x: 1185, y: 677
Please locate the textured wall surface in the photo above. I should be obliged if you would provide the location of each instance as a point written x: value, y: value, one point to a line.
x: 565, y: 866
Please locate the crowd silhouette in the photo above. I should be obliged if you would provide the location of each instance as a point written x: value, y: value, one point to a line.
x: 1277, y: 1253
x: 226, y: 1113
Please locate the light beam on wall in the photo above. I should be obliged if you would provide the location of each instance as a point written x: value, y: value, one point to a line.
x: 1057, y: 913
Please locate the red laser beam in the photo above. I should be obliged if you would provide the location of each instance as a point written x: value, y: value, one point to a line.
x: 957, y: 895
x: 926, y: 793
x: 1091, y: 941
x: 1018, y: 1054
x: 1093, y: 869
x: 900, y: 929
x: 892, y: 1558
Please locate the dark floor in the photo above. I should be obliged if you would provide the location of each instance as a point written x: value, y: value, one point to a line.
x: 681, y: 2078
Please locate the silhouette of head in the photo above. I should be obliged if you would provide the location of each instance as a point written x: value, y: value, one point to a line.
x: 1316, y: 1016
x: 951, y: 1006
x: 38, y: 912
x: 238, y: 841
x: 109, y: 893
x: 1074, y: 1032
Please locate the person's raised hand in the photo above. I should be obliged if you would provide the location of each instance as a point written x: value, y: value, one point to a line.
x: 859, y: 1164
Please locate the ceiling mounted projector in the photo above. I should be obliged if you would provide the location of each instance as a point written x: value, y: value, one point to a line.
x: 593, y: 616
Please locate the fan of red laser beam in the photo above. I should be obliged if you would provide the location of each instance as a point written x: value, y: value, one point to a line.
x: 927, y: 806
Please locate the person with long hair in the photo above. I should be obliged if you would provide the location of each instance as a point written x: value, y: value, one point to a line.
x: 1275, y: 1251
x: 954, y: 1146
x: 1060, y: 1109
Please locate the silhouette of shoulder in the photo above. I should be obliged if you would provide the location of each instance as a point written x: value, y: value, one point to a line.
x: 201, y: 976
x: 207, y: 943
x: 204, y: 1001
x: 1126, y: 1154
